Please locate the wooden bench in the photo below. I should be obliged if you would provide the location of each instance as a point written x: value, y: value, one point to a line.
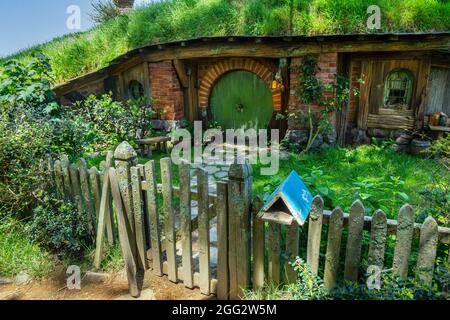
x: 159, y: 142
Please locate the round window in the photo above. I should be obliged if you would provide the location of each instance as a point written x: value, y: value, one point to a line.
x: 135, y: 90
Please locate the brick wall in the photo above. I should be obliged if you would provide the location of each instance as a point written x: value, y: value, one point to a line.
x: 327, y: 68
x: 166, y: 90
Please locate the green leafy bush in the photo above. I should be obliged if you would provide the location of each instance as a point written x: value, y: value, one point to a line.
x: 395, y: 288
x: 435, y: 202
x: 441, y: 150
x: 32, y: 125
x: 22, y: 144
x: 59, y: 227
x: 385, y: 194
x: 27, y: 86
x: 309, y: 286
x: 107, y: 122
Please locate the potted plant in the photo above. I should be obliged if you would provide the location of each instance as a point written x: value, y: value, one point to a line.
x: 420, y: 144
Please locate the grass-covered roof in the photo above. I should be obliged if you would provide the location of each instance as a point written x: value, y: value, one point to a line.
x: 77, y: 54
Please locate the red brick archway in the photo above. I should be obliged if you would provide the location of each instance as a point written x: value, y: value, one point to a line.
x: 219, y: 69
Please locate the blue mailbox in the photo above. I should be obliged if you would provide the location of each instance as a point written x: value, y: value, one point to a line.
x: 290, y: 202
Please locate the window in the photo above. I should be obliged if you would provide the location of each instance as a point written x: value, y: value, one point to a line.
x: 398, y: 89
x: 135, y: 90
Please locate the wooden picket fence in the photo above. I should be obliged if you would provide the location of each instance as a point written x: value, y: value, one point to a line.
x: 124, y: 200
x: 379, y: 227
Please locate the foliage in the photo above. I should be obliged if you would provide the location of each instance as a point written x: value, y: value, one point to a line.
x: 336, y: 174
x: 81, y: 53
x: 59, y: 227
x: 312, y: 92
x: 441, y: 150
x: 435, y: 201
x: 110, y: 122
x: 21, y: 143
x: 395, y: 288
x: 390, y: 196
x: 313, y: 180
x: 18, y: 253
x: 310, y: 287
x: 307, y: 287
x: 113, y: 259
x: 104, y: 11
x: 32, y: 125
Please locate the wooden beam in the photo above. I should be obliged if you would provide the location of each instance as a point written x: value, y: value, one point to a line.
x: 256, y: 49
x: 181, y: 72
x: 292, y: 49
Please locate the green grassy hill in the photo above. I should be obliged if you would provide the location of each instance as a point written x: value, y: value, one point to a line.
x: 77, y: 54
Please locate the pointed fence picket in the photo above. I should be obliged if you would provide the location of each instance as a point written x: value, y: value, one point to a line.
x: 336, y: 224
x: 354, y: 242
x: 185, y: 223
x: 169, y: 219
x: 315, y: 233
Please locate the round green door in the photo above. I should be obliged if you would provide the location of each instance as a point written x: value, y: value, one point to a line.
x: 240, y: 99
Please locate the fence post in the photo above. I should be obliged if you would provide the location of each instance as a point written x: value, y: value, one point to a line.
x: 222, y: 241
x: 126, y: 157
x: 239, y: 254
x: 258, y: 244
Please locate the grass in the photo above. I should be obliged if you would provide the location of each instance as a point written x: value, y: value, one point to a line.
x: 380, y: 177
x: 17, y: 253
x: 77, y: 54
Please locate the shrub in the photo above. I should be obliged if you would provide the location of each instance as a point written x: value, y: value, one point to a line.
x: 59, y: 227
x: 310, y: 287
x: 441, y: 149
x: 21, y: 144
x: 32, y: 125
x: 435, y: 202
x: 307, y: 287
x: 110, y: 122
x: 27, y: 86
x: 395, y: 288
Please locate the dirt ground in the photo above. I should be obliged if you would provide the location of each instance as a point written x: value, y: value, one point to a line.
x: 155, y: 288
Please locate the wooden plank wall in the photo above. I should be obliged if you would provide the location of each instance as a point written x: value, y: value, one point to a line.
x: 374, y: 69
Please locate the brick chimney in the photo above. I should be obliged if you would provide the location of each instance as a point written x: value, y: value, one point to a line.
x: 124, y: 5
